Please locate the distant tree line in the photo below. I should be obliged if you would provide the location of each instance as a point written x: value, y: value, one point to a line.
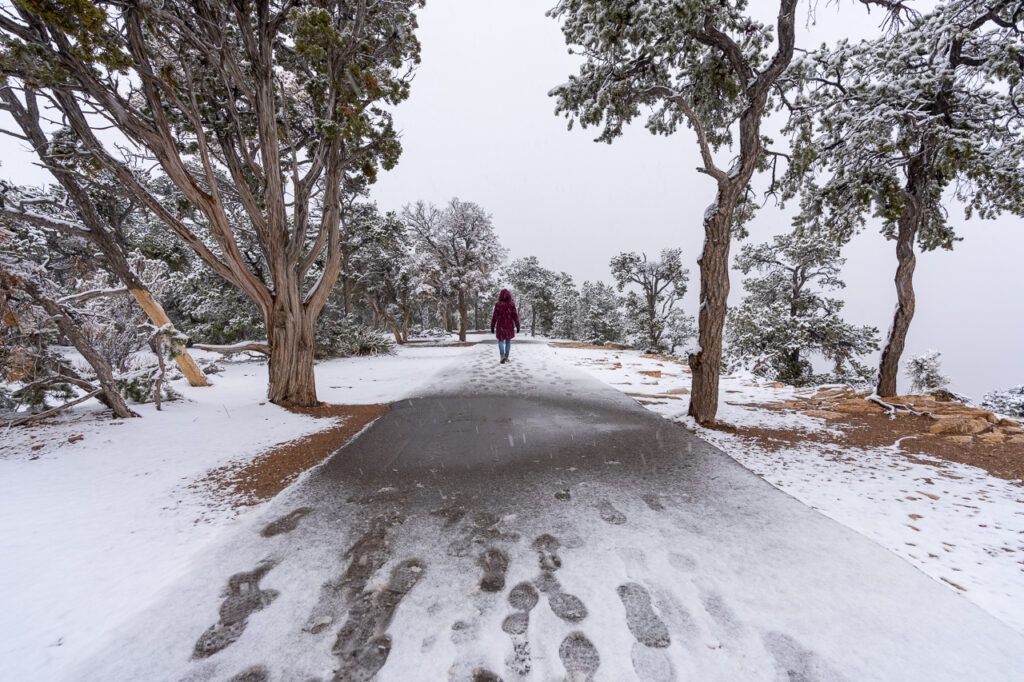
x: 212, y: 166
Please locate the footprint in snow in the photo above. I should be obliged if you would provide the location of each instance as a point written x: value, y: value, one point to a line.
x: 242, y: 598
x: 642, y: 621
x: 495, y: 565
x: 523, y: 597
x: 286, y: 523
x: 609, y: 514
x: 256, y: 673
x: 579, y: 656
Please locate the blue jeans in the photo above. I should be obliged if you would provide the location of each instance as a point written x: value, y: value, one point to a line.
x: 504, y: 346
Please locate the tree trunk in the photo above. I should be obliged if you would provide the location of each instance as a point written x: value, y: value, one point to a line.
x: 653, y: 334
x: 706, y: 363
x: 291, y: 333
x: 446, y: 317
x: 533, y: 320
x: 406, y: 318
x: 888, y: 368
x: 110, y: 396
x: 463, y: 315
x: 155, y: 312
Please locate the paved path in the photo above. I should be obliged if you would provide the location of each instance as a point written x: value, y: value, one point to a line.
x: 528, y: 522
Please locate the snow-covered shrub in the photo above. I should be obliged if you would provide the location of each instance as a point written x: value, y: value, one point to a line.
x: 925, y: 372
x: 140, y: 386
x: 1008, y: 401
x: 347, y: 337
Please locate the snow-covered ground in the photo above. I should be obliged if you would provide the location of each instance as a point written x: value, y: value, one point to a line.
x: 97, y: 516
x: 957, y: 523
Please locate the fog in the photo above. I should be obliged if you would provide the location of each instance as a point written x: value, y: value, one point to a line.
x: 480, y: 125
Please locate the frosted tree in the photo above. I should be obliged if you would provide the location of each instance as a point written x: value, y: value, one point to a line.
x: 35, y: 297
x: 281, y: 107
x: 895, y: 124
x: 1008, y: 401
x: 704, y: 64
x: 463, y: 248
x: 786, y: 317
x: 599, y: 314
x: 389, y: 273
x: 566, y: 299
x: 925, y: 372
x: 534, y: 288
x: 656, y: 287
x: 89, y: 203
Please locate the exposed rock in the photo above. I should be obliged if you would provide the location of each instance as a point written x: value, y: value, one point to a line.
x: 962, y: 440
x: 993, y: 437
x: 1017, y: 440
x: 959, y: 425
x: 856, y: 406
x: 823, y: 414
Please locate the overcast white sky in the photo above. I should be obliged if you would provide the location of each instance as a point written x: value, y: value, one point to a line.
x: 480, y: 126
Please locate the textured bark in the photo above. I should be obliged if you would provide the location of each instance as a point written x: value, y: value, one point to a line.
x: 463, y: 315
x: 706, y: 363
x: 889, y: 365
x: 292, y: 347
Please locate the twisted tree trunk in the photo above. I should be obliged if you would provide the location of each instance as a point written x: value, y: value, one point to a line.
x: 292, y: 348
x: 889, y: 365
x: 706, y: 363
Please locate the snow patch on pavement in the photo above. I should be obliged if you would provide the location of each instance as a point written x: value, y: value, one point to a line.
x: 956, y: 523
x: 93, y: 529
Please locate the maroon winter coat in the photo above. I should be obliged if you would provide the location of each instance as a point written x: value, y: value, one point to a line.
x: 504, y: 319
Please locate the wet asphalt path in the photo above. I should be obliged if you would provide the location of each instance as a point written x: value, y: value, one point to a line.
x: 528, y: 522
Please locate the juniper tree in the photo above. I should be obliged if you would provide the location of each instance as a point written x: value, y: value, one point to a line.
x: 662, y: 285
x: 894, y: 124
x: 282, y: 107
x: 786, y: 317
x: 89, y: 203
x: 462, y: 245
x: 38, y: 266
x: 704, y: 64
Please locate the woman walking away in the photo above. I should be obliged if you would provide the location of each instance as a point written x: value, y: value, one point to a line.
x: 504, y: 323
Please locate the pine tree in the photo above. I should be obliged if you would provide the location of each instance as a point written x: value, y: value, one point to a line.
x: 894, y: 123
x: 925, y: 372
x: 565, y: 320
x: 705, y: 64
x: 533, y: 286
x: 661, y: 283
x: 786, y: 317
x: 600, y: 314
x: 463, y: 249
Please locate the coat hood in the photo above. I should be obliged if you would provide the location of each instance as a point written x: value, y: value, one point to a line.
x: 505, y: 296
